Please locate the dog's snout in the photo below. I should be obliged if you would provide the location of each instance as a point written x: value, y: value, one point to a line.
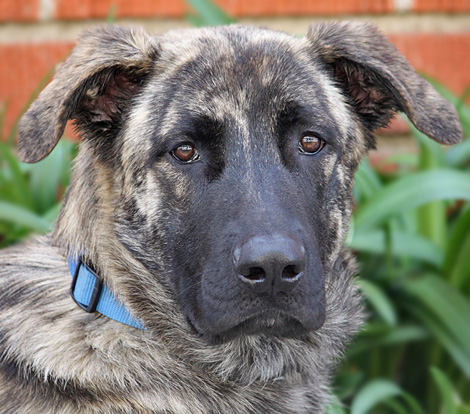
x: 270, y: 264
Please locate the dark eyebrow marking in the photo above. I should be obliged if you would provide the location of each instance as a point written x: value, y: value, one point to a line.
x: 201, y: 129
x: 305, y: 118
x: 208, y: 129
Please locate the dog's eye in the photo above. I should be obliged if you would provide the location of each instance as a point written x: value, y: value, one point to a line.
x: 185, y: 153
x: 310, y: 144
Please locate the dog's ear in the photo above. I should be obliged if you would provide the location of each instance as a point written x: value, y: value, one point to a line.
x: 379, y: 81
x: 93, y: 87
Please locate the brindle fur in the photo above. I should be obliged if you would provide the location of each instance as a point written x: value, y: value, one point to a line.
x: 158, y: 232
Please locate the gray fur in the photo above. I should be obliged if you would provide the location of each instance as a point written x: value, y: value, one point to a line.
x: 129, y: 94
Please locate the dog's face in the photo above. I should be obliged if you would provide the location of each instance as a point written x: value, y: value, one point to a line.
x: 230, y: 155
x: 245, y: 147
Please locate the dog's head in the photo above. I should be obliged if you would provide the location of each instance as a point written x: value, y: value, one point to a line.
x: 224, y: 158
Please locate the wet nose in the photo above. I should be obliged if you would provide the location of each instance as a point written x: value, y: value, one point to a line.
x: 268, y: 264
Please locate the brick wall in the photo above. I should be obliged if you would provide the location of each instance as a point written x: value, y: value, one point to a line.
x: 35, y: 34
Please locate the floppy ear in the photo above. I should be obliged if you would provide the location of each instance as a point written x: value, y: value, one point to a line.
x: 93, y: 86
x: 379, y: 81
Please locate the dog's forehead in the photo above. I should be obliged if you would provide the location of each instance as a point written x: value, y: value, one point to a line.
x: 239, y: 75
x: 242, y: 65
x: 186, y: 44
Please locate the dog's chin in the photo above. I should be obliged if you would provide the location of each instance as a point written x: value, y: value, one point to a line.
x: 276, y: 324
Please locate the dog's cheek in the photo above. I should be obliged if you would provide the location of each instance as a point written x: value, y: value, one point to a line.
x: 175, y: 220
x: 337, y: 204
x: 326, y: 187
x: 148, y: 214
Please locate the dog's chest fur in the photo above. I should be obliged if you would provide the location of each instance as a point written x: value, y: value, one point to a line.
x: 58, y: 359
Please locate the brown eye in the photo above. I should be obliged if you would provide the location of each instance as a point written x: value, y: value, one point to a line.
x: 310, y: 144
x: 185, y: 153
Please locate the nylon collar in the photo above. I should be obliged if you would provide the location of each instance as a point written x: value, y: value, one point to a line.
x: 91, y: 294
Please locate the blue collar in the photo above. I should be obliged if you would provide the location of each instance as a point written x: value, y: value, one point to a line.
x: 91, y: 294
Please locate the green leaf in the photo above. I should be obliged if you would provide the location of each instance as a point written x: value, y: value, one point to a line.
x: 382, y: 391
x: 19, y: 193
x: 346, y: 383
x: 410, y: 192
x: 46, y: 176
x: 196, y: 21
x: 431, y: 217
x: 458, y: 353
x: 403, y: 244
x: 379, y: 301
x: 456, y: 266
x: 396, y: 407
x: 444, y: 310
x: 366, y: 181
x: 210, y: 14
x: 111, y: 17
x: 445, y: 302
x: 382, y: 335
x: 404, y: 334
x: 52, y: 213
x: 413, y: 404
x: 464, y: 114
x: 431, y: 153
x: 446, y: 390
x: 373, y: 393
x: 45, y: 179
x: 459, y: 154
x: 335, y: 407
x: 18, y: 215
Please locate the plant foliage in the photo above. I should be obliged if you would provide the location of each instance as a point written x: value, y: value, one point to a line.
x: 412, y: 235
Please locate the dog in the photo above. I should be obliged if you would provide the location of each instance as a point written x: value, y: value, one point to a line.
x: 208, y: 208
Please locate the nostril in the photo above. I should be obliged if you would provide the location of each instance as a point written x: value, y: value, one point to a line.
x: 290, y: 273
x: 255, y: 274
x: 268, y: 264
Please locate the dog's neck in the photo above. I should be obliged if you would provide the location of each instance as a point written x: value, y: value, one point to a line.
x: 84, y: 226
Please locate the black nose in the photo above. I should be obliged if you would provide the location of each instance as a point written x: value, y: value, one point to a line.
x: 270, y: 264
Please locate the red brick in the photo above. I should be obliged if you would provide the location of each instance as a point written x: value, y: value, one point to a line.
x: 302, y: 7
x: 85, y: 9
x: 19, y: 10
x: 94, y: 9
x: 443, y: 6
x: 444, y: 57
x: 21, y: 69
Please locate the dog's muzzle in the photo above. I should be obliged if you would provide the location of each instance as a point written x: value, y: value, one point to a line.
x: 274, y: 285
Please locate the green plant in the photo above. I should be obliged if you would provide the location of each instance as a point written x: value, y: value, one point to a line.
x: 206, y: 13
x: 411, y: 230
x: 30, y: 194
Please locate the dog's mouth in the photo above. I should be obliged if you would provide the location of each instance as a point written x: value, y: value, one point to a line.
x: 270, y: 323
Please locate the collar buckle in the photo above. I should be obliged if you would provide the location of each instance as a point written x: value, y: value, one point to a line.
x: 97, y: 288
